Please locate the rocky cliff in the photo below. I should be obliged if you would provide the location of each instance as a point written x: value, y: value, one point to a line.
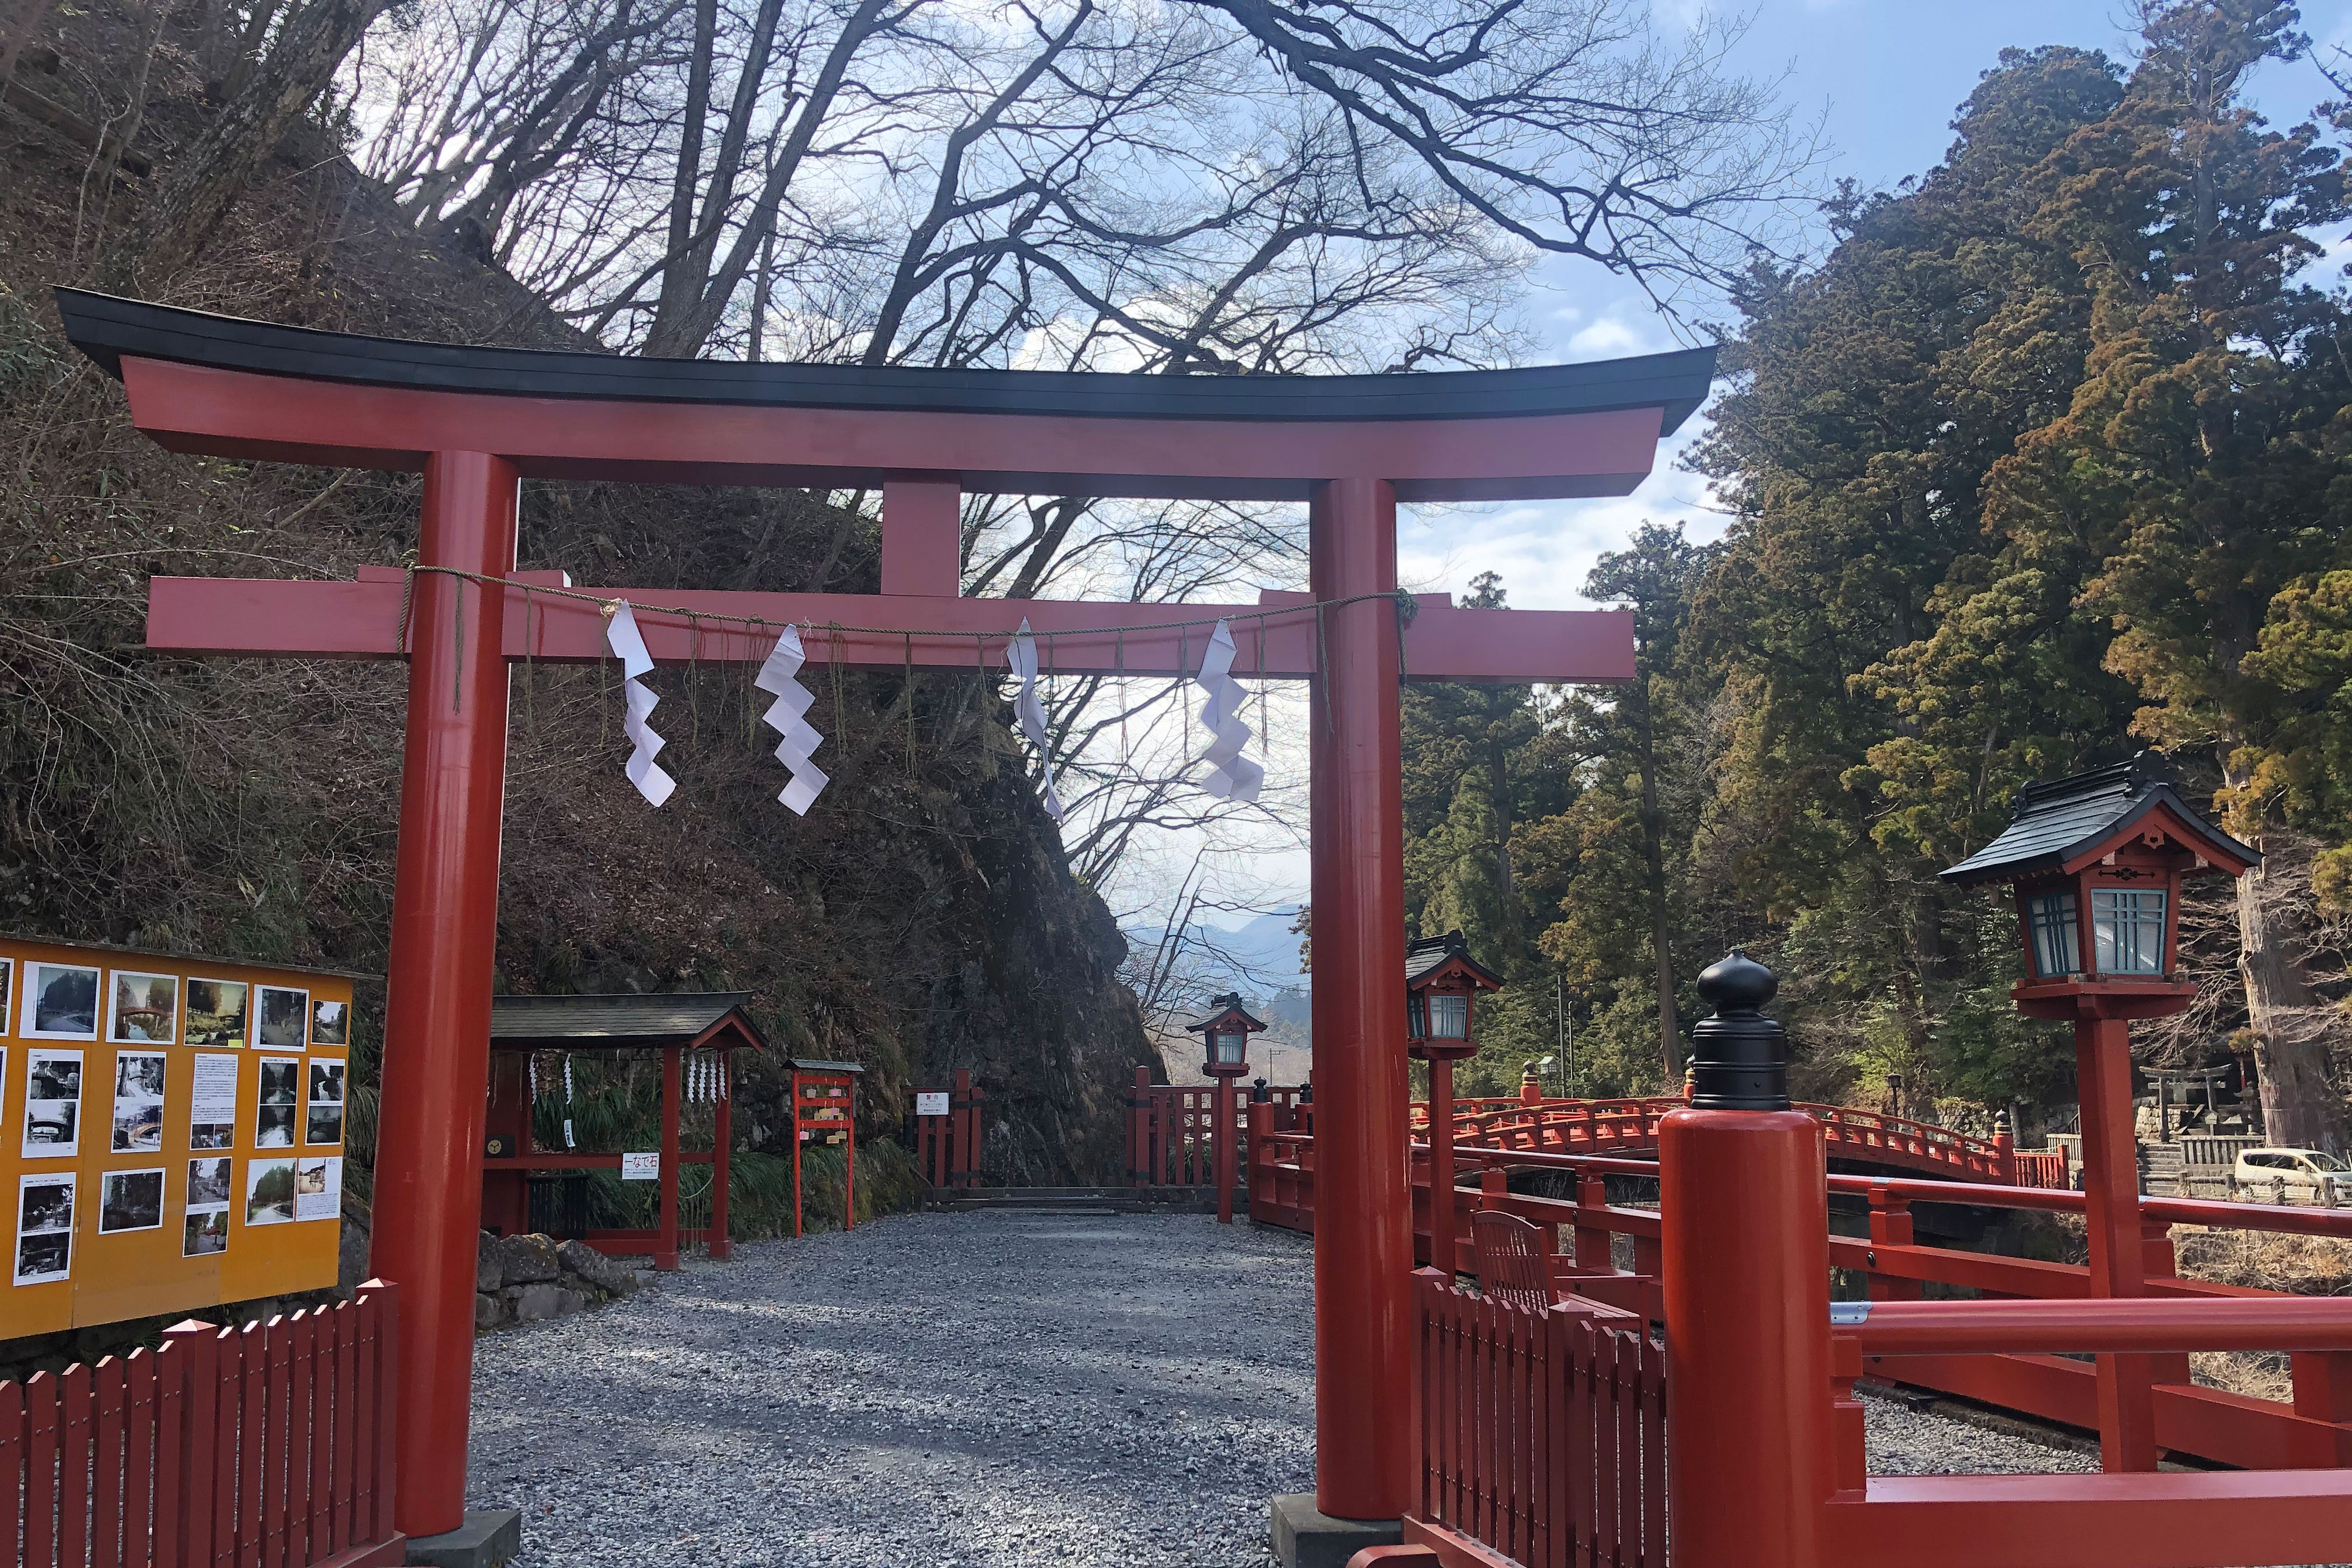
x: 920, y: 918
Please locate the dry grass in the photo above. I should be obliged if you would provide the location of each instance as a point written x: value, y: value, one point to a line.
x: 2294, y: 1265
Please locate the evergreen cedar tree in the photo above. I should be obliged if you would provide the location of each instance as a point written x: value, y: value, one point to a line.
x: 2046, y: 460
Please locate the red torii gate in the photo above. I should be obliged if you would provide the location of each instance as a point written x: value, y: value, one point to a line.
x: 476, y: 421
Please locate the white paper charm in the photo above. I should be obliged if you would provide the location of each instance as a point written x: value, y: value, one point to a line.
x: 787, y: 717
x: 628, y: 645
x: 1231, y: 777
x: 1022, y: 656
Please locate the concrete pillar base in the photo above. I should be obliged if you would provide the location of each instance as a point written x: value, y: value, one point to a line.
x: 490, y: 1538
x: 1305, y: 1538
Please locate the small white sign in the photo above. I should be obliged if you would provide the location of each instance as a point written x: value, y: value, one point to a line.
x: 641, y: 1167
x: 931, y: 1105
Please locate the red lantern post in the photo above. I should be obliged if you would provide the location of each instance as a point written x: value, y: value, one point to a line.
x: 2097, y: 861
x: 1441, y: 981
x: 1225, y: 1040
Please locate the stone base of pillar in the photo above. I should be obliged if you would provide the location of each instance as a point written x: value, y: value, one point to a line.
x: 491, y: 1538
x: 1304, y: 1538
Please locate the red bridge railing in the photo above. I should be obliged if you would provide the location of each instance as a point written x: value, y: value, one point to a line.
x: 1623, y: 1126
x: 270, y: 1445
x: 1892, y: 1263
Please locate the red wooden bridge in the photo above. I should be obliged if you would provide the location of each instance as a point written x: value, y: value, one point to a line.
x: 1171, y: 1130
x: 1622, y: 1127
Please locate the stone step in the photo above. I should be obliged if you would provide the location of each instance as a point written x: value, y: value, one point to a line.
x: 1073, y: 1200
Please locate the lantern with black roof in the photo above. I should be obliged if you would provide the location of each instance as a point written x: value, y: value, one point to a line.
x: 1225, y: 1036
x: 1441, y: 984
x: 2096, y: 861
x: 1225, y: 1045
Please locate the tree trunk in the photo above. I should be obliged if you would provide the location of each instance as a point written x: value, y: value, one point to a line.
x: 209, y: 173
x: 1653, y: 850
x: 2287, y: 1019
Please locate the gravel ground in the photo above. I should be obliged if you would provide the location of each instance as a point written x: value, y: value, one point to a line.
x: 977, y: 1389
x: 1899, y: 1441
x: 954, y: 1391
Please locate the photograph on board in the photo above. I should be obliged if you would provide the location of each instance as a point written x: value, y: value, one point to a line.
x: 44, y: 1216
x: 282, y: 1020
x: 138, y: 1103
x: 204, y: 1228
x: 204, y: 1234
x: 278, y: 1106
x: 325, y: 1122
x: 281, y: 1080
x: 216, y: 1012
x: 60, y: 1002
x: 7, y: 988
x: 208, y: 1183
x: 131, y: 1200
x: 52, y: 1104
x: 318, y: 1187
x: 330, y: 1024
x: 280, y: 1102
x: 212, y: 1103
x: 268, y: 1192
x: 143, y: 1009
x: 273, y: 1127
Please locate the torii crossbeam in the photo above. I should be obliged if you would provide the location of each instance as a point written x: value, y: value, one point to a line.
x: 475, y: 421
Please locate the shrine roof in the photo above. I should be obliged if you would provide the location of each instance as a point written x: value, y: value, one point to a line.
x: 1427, y: 957
x: 808, y: 1063
x: 1231, y: 1002
x: 107, y: 329
x: 2053, y: 822
x: 623, y: 1021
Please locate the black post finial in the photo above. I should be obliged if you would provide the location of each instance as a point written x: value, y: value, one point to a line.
x: 1740, y: 1058
x: 1259, y: 1093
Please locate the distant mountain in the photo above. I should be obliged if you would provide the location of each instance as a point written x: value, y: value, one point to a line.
x: 1258, y: 958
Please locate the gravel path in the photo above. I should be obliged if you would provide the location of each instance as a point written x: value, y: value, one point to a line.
x: 977, y: 1389
x: 953, y: 1391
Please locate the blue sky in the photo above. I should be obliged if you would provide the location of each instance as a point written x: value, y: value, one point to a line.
x: 1882, y: 77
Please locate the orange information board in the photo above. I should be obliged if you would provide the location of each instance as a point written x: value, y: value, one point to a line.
x: 170, y: 1131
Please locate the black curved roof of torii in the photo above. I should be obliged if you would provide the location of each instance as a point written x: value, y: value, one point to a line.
x: 106, y: 328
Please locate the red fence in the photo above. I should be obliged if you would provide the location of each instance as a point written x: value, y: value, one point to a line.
x: 1542, y: 1433
x: 267, y: 1445
x: 1170, y: 1128
x: 948, y: 1145
x: 2045, y: 1168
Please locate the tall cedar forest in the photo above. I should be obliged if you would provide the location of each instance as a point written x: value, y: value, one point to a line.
x: 2048, y: 460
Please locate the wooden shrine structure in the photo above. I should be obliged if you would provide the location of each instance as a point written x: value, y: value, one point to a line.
x: 824, y: 1110
x: 681, y: 1026
x: 476, y: 421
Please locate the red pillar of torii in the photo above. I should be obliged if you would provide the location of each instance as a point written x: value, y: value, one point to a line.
x: 475, y: 421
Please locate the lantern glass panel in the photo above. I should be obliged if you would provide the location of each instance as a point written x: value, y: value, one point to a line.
x: 1449, y: 1017
x: 2127, y: 930
x: 1416, y: 1023
x: 2056, y: 945
x: 1230, y: 1046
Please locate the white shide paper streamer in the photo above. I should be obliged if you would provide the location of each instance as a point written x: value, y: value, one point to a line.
x: 628, y: 645
x: 1022, y: 656
x: 787, y: 717
x: 1231, y: 777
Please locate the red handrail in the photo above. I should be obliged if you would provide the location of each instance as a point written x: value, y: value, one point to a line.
x: 2149, y: 1324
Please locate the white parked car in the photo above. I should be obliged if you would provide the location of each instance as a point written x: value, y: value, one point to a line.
x: 2291, y: 1176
